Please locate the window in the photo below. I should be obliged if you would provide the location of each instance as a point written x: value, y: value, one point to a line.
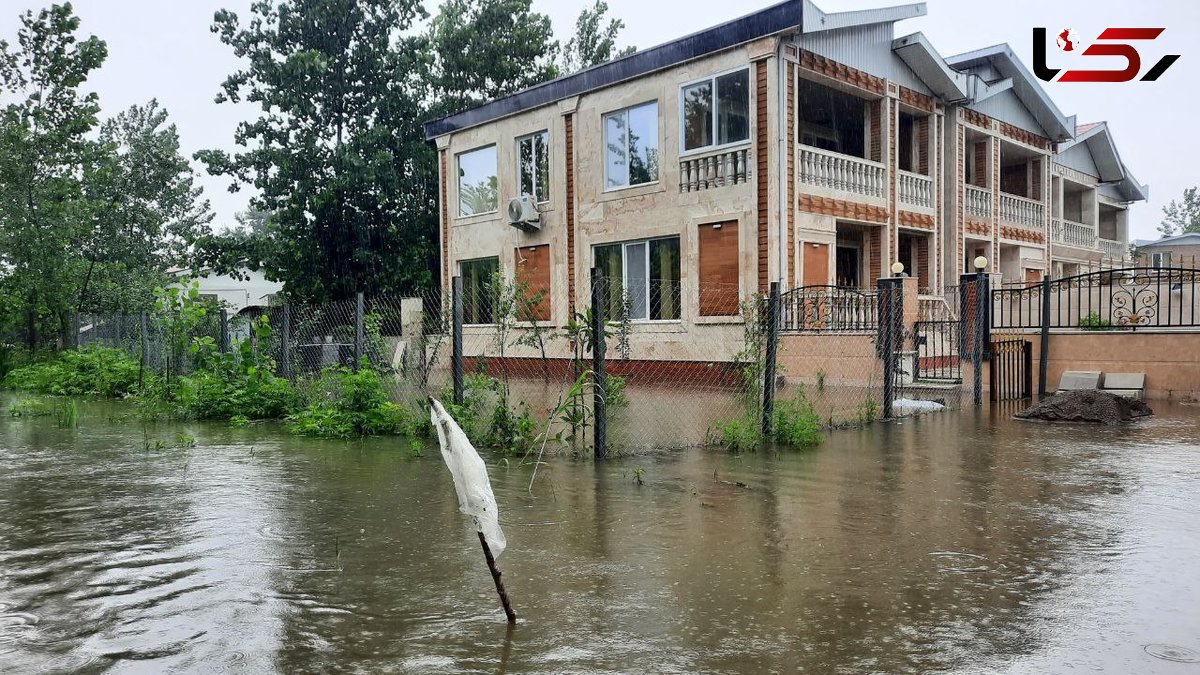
x: 643, y: 279
x: 729, y: 123
x: 533, y: 159
x: 477, y: 190
x: 833, y: 120
x: 907, y: 142
x: 1160, y: 259
x: 477, y: 276
x: 631, y: 146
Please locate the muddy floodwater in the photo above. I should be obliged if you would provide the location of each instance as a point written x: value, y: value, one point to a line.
x: 959, y: 542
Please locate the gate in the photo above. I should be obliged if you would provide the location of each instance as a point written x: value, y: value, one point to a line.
x: 1012, y: 370
x: 937, y: 356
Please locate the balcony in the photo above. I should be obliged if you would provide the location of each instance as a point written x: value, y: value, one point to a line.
x: 978, y: 202
x: 1112, y: 249
x: 726, y: 167
x: 1071, y: 233
x: 913, y: 189
x: 1022, y: 212
x: 835, y: 171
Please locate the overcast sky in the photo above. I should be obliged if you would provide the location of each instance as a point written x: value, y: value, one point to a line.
x: 164, y: 49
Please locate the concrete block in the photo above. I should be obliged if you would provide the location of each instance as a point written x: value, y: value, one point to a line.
x: 1073, y: 380
x: 1135, y: 394
x: 1125, y: 381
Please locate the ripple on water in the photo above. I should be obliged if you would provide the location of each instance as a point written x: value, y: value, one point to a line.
x: 960, y: 562
x: 1173, y: 653
x: 16, y: 627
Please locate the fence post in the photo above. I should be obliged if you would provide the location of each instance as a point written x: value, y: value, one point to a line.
x: 456, y: 355
x: 887, y: 345
x: 599, y: 380
x: 768, y: 394
x: 144, y: 361
x: 224, y: 331
x: 983, y: 300
x: 358, y: 328
x: 285, y: 353
x: 1044, y: 351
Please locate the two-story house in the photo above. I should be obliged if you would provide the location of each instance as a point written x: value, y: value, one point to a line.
x: 789, y: 145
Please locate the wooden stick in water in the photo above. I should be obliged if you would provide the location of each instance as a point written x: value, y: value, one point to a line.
x: 491, y: 561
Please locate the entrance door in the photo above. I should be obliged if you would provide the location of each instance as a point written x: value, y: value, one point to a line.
x: 848, y: 266
x: 816, y: 264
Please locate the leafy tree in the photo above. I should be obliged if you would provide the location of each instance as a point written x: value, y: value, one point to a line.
x: 594, y: 41
x: 1182, y: 217
x: 486, y: 49
x: 337, y: 154
x: 44, y: 144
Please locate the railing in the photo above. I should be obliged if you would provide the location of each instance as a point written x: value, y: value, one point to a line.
x: 702, y: 172
x: 1119, y: 299
x: 977, y: 202
x: 914, y: 189
x: 1022, y: 211
x: 933, y: 307
x: 828, y: 309
x: 842, y: 172
x: 1117, y: 250
x: 1071, y: 233
x: 935, y: 344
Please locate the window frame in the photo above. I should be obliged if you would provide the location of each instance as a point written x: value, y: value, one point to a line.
x: 499, y: 270
x: 625, y: 244
x: 458, y: 180
x: 529, y: 137
x: 712, y: 79
x: 604, y: 141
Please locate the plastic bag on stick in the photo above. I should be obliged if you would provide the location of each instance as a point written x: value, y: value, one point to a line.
x: 475, y: 496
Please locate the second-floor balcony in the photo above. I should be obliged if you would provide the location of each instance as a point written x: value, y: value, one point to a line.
x: 1071, y: 233
x: 1112, y: 249
x: 914, y: 190
x: 1021, y: 211
x: 835, y: 171
x: 977, y: 202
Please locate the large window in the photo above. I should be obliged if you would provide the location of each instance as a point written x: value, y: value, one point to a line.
x: 533, y: 158
x: 643, y: 279
x: 716, y: 111
x: 477, y: 277
x: 631, y: 146
x: 477, y: 189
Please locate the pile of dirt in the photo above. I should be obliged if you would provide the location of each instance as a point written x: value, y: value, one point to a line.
x: 1098, y: 407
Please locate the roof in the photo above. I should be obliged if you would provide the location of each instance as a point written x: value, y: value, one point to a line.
x: 1056, y: 125
x: 1097, y: 138
x: 816, y: 19
x: 1189, y: 239
x: 778, y: 18
x: 951, y: 85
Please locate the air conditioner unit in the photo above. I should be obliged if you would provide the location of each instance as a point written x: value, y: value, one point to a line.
x: 523, y: 213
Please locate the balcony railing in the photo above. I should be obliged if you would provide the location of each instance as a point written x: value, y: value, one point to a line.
x: 702, y: 172
x: 914, y: 189
x: 1116, y: 250
x: 978, y: 202
x: 1071, y: 233
x: 842, y: 172
x: 1021, y: 211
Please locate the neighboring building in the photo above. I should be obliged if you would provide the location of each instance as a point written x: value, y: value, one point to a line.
x: 1179, y: 251
x: 236, y: 295
x: 790, y: 145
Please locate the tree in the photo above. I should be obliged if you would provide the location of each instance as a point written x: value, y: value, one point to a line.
x: 44, y: 145
x: 1182, y: 217
x: 337, y: 154
x: 594, y: 42
x: 486, y: 49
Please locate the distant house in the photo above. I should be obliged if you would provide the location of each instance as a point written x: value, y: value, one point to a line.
x: 236, y: 295
x: 1178, y: 251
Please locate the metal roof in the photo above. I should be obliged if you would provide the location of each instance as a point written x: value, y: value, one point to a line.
x: 1056, y: 125
x: 951, y: 85
x: 1098, y: 140
x: 1189, y: 239
x: 779, y: 18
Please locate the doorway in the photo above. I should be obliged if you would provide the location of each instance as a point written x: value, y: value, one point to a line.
x: 848, y: 266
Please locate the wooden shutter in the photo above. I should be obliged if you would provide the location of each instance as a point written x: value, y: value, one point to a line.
x: 533, y: 270
x: 719, y: 269
x: 816, y: 264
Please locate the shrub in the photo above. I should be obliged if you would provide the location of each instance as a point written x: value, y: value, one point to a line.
x: 91, y: 371
x: 347, y: 403
x: 794, y: 422
x: 739, y: 434
x: 225, y: 392
x: 32, y: 407
x: 1093, y: 322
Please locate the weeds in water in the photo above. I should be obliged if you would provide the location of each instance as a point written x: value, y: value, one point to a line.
x: 68, y: 415
x: 416, y: 448
x: 794, y: 422
x: 821, y: 380
x: 239, y: 421
x: 639, y: 475
x: 32, y: 407
x: 867, y: 412
x: 185, y: 441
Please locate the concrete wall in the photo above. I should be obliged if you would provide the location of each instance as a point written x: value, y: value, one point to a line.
x: 237, y: 294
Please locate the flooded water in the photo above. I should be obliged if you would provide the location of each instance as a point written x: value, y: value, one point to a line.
x: 950, y: 543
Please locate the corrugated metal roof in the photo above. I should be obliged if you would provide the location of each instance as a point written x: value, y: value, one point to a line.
x: 1056, y: 125
x: 1189, y: 239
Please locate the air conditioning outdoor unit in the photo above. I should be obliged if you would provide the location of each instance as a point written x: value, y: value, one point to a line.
x: 523, y: 213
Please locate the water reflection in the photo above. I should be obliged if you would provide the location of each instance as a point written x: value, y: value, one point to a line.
x: 946, y: 543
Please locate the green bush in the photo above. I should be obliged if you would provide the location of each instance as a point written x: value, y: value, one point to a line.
x: 1093, y: 322
x: 226, y: 392
x: 91, y: 371
x: 794, y: 422
x: 32, y: 407
x: 347, y: 403
x: 739, y: 434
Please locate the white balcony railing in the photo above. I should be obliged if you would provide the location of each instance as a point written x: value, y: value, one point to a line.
x: 978, y: 202
x: 914, y: 189
x: 701, y: 172
x: 1071, y: 233
x: 1112, y: 249
x: 1021, y: 211
x: 842, y: 172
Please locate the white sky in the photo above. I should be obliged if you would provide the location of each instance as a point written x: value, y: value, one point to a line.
x: 164, y: 49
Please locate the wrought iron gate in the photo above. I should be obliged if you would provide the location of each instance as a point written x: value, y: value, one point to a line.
x: 1012, y: 370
